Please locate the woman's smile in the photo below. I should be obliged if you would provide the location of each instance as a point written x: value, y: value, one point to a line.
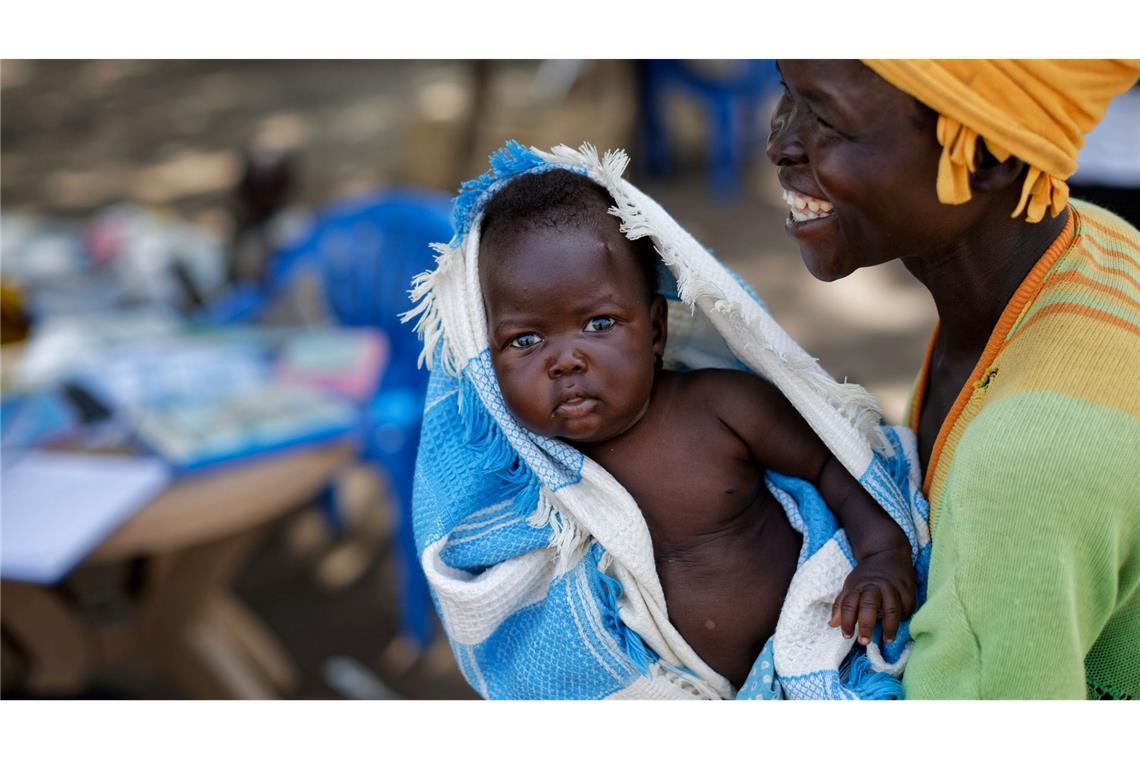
x: 807, y: 214
x: 805, y: 208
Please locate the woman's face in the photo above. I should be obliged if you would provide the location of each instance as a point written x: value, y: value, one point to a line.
x: 858, y: 160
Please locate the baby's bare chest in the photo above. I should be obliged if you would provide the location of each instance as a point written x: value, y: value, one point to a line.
x: 723, y: 547
x: 704, y: 500
x: 689, y: 477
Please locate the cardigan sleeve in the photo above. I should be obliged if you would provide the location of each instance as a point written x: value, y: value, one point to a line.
x: 1027, y: 572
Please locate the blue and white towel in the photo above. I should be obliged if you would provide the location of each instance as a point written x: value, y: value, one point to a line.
x: 540, y: 562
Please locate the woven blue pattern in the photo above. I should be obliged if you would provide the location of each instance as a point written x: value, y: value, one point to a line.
x: 810, y: 515
x: 824, y: 684
x: 508, y: 162
x: 762, y: 681
x: 563, y: 464
x: 493, y: 540
x: 583, y: 661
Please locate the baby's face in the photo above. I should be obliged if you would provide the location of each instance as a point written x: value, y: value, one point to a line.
x: 574, y: 333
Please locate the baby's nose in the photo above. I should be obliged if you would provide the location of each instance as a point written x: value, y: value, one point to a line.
x: 567, y: 361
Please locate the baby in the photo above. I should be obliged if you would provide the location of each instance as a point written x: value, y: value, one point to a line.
x: 577, y: 333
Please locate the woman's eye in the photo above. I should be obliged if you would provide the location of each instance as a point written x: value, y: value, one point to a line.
x: 526, y: 341
x: 599, y: 324
x: 828, y: 126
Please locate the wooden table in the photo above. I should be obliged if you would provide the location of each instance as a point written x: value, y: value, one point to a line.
x: 192, y: 540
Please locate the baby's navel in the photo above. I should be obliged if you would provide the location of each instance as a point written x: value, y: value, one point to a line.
x: 710, y: 625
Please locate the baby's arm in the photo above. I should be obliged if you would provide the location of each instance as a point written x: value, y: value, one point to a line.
x: 781, y: 440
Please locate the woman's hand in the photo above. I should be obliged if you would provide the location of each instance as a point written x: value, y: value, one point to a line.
x: 882, y: 583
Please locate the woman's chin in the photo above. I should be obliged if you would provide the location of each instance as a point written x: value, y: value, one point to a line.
x: 824, y: 266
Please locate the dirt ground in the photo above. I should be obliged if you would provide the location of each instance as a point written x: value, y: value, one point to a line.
x: 78, y: 135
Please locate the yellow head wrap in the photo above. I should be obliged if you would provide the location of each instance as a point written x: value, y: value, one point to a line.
x: 1037, y: 110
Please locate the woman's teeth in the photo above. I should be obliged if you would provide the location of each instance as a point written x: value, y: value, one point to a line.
x: 805, y: 207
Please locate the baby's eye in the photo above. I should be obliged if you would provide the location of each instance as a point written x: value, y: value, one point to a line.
x: 526, y: 340
x: 599, y: 324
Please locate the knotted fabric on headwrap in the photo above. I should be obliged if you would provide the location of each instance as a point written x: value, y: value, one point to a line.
x: 1037, y: 110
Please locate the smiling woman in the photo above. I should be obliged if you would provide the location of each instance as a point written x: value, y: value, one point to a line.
x: 1026, y: 412
x: 844, y: 137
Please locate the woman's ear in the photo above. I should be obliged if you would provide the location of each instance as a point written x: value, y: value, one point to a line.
x: 992, y: 175
x: 659, y: 324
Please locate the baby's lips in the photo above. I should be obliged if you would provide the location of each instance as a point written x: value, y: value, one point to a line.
x: 575, y: 406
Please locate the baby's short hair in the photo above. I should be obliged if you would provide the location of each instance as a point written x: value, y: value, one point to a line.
x: 558, y: 197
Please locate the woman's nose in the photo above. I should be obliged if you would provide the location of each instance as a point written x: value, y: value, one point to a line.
x: 567, y: 360
x: 784, y: 144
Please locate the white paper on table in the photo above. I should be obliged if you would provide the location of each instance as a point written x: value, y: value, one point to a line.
x: 56, y: 507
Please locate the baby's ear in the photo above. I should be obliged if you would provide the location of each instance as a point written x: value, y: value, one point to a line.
x: 659, y: 323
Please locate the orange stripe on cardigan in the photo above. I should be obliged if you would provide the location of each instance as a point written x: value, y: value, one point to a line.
x: 1128, y: 241
x: 1101, y: 250
x: 1083, y: 311
x: 1088, y: 256
x: 1100, y: 287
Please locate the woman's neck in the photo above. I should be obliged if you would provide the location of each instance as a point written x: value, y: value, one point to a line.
x: 974, y: 280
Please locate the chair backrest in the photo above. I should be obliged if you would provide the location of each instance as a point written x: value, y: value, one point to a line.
x: 748, y: 79
x: 367, y: 251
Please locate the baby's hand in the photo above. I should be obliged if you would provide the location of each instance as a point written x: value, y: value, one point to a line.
x: 881, y: 583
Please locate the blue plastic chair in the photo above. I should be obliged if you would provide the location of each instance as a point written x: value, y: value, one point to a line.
x: 366, y: 252
x: 731, y: 104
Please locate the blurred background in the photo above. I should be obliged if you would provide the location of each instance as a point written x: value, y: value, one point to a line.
x: 209, y: 408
